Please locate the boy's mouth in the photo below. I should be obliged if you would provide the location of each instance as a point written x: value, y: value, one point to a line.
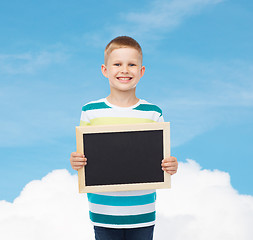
x: 124, y: 79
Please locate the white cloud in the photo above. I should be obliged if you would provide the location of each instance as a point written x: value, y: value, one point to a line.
x: 29, y: 62
x: 204, y: 95
x: 150, y: 22
x: 165, y: 15
x: 212, y: 83
x: 201, y: 205
x: 50, y: 208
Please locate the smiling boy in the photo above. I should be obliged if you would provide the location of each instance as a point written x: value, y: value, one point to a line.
x: 128, y: 215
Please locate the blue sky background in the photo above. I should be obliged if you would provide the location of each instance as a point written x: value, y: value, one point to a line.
x: 199, y: 69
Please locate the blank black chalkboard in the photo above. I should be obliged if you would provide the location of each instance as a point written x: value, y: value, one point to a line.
x: 123, y: 157
x: 129, y: 153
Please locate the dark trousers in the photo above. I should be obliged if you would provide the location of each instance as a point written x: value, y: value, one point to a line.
x: 143, y: 233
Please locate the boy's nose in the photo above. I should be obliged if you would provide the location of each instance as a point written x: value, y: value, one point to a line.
x: 124, y: 69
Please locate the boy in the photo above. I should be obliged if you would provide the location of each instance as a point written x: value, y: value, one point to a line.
x: 131, y: 214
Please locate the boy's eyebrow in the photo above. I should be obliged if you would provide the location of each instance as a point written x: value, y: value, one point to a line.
x: 129, y: 62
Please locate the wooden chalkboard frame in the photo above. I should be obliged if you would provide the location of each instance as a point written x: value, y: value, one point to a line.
x: 81, y: 130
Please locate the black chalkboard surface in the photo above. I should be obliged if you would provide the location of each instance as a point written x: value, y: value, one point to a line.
x: 123, y: 157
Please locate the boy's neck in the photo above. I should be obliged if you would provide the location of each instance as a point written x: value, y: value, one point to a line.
x: 123, y: 99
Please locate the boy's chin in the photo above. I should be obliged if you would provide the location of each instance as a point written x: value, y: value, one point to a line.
x: 124, y: 86
x: 123, y: 89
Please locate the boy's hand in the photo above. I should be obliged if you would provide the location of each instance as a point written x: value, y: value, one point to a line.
x: 77, y: 160
x: 170, y: 165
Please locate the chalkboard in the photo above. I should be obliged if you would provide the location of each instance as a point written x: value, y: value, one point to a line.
x: 123, y: 157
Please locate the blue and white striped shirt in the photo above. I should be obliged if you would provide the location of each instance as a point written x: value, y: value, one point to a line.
x: 124, y: 209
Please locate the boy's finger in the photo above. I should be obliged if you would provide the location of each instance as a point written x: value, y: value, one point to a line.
x: 169, y: 160
x: 79, y: 164
x: 80, y: 160
x: 170, y: 171
x: 169, y: 164
x: 170, y: 168
x: 76, y: 154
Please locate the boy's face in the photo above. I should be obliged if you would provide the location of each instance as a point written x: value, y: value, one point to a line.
x: 123, y: 69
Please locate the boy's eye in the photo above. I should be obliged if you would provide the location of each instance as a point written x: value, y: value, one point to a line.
x: 116, y: 64
x: 132, y: 64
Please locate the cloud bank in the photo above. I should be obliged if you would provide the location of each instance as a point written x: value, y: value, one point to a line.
x: 202, y: 204
x: 50, y: 208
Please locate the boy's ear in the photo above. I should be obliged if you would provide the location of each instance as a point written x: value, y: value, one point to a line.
x: 142, y: 70
x: 104, y: 70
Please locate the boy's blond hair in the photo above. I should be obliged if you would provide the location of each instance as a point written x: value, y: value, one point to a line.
x: 121, y: 42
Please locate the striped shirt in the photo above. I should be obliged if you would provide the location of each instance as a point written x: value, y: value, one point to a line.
x: 124, y: 209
